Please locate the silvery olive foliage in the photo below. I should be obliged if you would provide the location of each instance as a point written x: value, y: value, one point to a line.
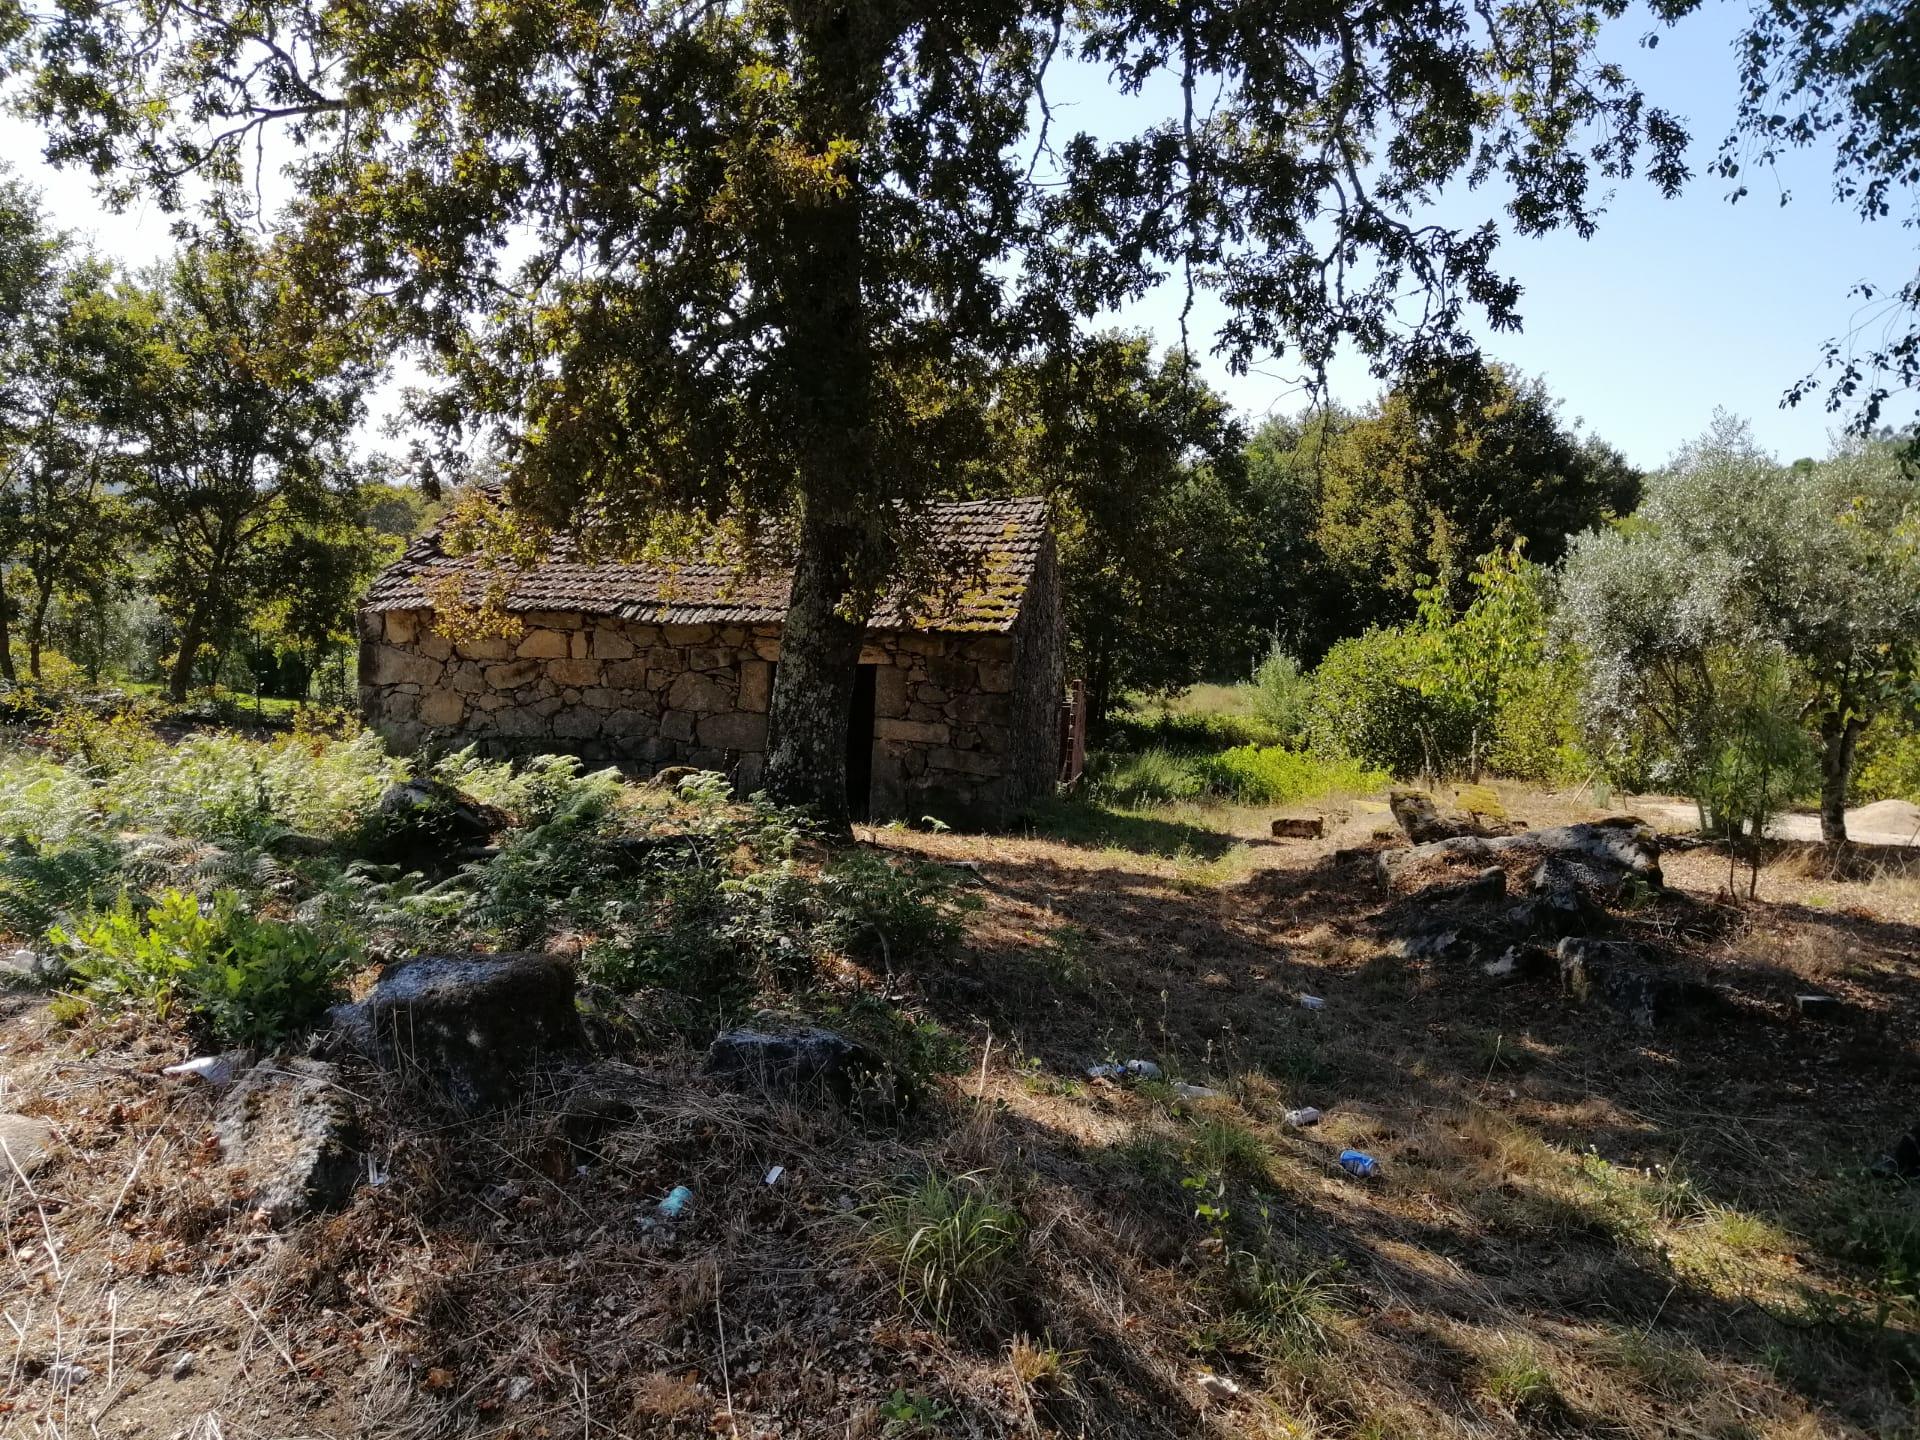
x: 1734, y: 562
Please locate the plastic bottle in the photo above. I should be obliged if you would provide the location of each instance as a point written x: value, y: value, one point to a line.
x: 1306, y: 1115
x: 675, y: 1205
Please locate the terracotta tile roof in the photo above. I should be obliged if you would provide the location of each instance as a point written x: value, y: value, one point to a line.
x: 997, y: 543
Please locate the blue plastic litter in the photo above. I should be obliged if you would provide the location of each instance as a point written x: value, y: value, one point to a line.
x: 675, y: 1204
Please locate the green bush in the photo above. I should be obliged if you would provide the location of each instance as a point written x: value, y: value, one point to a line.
x: 1536, y: 730
x: 1270, y: 775
x: 1887, y: 766
x: 1283, y: 695
x: 1368, y: 706
x: 875, y: 909
x: 244, y: 980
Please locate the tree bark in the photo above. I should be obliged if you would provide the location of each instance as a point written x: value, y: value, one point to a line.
x: 1837, y: 740
x: 843, y: 559
x: 6, y: 642
x: 813, y: 687
x: 180, y: 678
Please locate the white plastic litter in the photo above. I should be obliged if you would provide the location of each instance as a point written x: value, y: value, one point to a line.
x: 1306, y: 1115
x: 1194, y: 1092
x: 1218, y: 1387
x: 183, y: 1366
x: 214, y: 1069
x: 773, y: 1175
x: 1312, y: 1002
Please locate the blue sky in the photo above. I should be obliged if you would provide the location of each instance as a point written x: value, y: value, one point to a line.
x: 1674, y: 308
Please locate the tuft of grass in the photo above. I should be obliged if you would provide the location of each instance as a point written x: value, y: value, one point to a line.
x: 1262, y: 1307
x: 1148, y: 778
x: 952, y: 1244
x: 1040, y: 1365
x: 1658, y: 1365
x: 1516, y: 1375
x: 1221, y: 1145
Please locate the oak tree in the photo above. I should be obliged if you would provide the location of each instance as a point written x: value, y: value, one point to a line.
x: 700, y: 264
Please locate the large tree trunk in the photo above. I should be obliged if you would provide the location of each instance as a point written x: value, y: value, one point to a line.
x: 192, y: 635
x: 843, y: 556
x: 813, y: 688
x: 1837, y: 739
x: 6, y: 642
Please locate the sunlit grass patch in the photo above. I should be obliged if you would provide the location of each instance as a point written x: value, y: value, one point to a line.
x: 1515, y: 1374
x: 953, y: 1246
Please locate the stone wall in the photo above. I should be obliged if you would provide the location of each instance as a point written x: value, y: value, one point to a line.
x: 645, y: 696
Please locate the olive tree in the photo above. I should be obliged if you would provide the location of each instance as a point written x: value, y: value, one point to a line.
x: 733, y: 266
x: 1734, y: 562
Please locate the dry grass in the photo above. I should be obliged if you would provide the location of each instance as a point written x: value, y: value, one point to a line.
x: 1578, y: 1228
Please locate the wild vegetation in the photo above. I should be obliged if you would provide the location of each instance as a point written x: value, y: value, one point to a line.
x: 992, y: 1242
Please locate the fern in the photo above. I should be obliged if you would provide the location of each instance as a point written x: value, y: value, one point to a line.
x: 38, y: 886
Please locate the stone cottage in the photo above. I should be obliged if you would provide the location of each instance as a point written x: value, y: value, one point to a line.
x: 956, y: 710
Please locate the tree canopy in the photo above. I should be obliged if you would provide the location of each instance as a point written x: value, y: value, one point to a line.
x: 1735, y: 561
x: 726, y: 264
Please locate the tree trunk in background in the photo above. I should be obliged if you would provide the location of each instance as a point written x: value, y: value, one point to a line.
x: 192, y: 635
x: 6, y: 644
x: 1837, y: 739
x: 813, y: 688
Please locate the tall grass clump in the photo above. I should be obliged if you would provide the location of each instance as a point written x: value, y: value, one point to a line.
x: 1272, y: 775
x: 1282, y: 695
x: 952, y: 1244
x: 1142, y: 780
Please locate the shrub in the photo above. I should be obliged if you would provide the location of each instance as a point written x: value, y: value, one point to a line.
x: 1282, y: 695
x: 951, y: 1243
x: 244, y: 979
x: 1270, y: 775
x: 878, y: 910
x: 1368, y: 706
x: 1190, y: 730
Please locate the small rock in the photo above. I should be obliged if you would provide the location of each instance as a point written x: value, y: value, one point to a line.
x: 473, y: 1024
x: 1299, y: 827
x: 670, y: 777
x: 425, y: 823
x: 31, y: 969
x: 1616, y: 972
x: 1519, y: 962
x: 64, y: 1374
x: 291, y: 1130
x: 183, y: 1365
x: 1218, y: 1388
x: 1434, y: 945
x: 777, y: 1055
x: 518, y: 1388
x: 26, y: 1144
x: 1903, y: 1160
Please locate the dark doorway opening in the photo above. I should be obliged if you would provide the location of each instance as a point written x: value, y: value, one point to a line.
x: 860, y: 744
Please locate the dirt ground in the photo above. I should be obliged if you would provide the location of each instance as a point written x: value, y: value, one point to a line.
x: 1577, y: 1226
